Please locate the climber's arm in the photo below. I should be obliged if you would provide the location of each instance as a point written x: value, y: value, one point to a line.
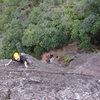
x: 26, y: 64
x: 10, y: 61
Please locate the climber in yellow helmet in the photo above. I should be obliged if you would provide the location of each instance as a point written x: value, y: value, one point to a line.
x: 19, y: 58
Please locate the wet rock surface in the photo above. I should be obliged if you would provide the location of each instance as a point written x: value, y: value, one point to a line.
x: 51, y: 82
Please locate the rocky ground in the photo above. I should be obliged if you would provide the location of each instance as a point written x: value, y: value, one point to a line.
x: 78, y: 81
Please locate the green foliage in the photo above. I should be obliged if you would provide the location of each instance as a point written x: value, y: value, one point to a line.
x: 7, y: 8
x: 95, y: 31
x: 38, y: 51
x: 1, y: 47
x: 75, y: 30
x: 34, y: 16
x: 53, y: 39
x: 85, y: 40
x: 12, y: 38
x: 88, y: 32
x: 32, y: 34
x: 88, y: 22
x: 67, y: 60
x: 92, y: 6
x: 3, y: 21
x: 35, y: 26
x: 47, y: 38
x: 11, y: 2
x: 96, y: 26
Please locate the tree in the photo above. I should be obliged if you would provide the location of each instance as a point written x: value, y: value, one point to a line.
x: 12, y: 38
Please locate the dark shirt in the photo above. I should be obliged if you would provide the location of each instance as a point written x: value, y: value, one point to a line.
x: 22, y: 59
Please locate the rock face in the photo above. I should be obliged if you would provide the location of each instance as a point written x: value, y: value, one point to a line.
x: 51, y: 82
x: 88, y: 64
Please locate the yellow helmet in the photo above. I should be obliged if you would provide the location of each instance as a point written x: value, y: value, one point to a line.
x: 16, y: 54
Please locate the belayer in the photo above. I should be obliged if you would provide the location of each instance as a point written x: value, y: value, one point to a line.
x: 19, y: 57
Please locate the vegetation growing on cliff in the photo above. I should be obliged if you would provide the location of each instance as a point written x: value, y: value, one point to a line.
x: 36, y: 26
